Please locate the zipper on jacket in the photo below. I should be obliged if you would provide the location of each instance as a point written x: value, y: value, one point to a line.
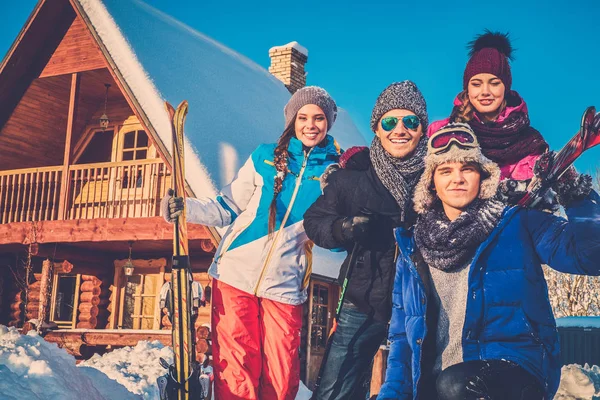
x: 285, y: 218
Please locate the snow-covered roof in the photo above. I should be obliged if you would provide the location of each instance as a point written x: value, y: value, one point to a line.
x: 234, y: 104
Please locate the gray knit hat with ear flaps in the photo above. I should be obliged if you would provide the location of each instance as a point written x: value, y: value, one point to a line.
x: 400, y: 95
x: 311, y: 95
x: 424, y: 195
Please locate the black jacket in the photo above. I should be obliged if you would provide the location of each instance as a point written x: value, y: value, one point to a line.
x: 349, y: 193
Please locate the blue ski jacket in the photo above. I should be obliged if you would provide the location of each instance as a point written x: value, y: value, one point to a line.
x: 277, y: 266
x: 508, y: 313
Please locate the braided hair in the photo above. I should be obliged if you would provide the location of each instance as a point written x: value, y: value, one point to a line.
x: 281, y: 166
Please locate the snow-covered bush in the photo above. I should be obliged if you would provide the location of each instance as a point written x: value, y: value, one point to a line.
x: 573, y: 295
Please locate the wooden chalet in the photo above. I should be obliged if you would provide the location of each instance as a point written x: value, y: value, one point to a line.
x: 84, y: 163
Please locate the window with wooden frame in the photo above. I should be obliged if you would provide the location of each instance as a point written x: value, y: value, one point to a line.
x: 136, y: 297
x: 65, y: 300
x: 135, y: 145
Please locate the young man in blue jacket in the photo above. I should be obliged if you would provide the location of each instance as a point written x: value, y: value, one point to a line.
x: 471, y: 317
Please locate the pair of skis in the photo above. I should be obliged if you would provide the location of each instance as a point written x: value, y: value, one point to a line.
x: 587, y: 137
x: 184, y: 380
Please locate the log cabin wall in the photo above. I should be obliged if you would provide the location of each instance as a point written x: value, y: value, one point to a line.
x: 89, y: 299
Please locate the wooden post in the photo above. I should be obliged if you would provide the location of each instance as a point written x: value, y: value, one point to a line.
x: 65, y: 181
x: 45, y: 292
x: 379, y: 367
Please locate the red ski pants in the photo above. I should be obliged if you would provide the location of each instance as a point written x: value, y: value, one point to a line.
x: 255, y: 346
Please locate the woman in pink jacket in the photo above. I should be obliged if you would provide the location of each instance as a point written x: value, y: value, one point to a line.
x: 497, y: 114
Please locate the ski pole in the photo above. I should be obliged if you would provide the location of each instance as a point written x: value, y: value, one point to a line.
x: 336, y: 317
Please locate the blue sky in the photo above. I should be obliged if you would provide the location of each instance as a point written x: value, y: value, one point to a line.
x: 357, y: 48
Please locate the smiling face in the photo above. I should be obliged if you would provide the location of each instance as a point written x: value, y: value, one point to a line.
x: 310, y: 125
x: 486, y: 94
x: 457, y: 185
x: 400, y: 142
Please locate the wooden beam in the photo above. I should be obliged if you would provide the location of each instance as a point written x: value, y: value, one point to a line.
x: 64, y: 186
x: 378, y: 373
x: 45, y: 292
x: 95, y: 230
x: 61, y: 251
x: 114, y: 337
x: 138, y: 263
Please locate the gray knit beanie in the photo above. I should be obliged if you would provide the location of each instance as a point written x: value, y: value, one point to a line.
x: 311, y: 95
x: 400, y: 95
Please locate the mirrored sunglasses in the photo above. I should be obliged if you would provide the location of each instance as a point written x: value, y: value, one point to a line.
x: 411, y: 122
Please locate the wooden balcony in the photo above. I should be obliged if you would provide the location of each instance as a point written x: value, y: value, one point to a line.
x: 102, y: 190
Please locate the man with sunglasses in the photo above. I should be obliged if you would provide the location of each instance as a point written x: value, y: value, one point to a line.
x: 357, y: 211
x: 471, y: 317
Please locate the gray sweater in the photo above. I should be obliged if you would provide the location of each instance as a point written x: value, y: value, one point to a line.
x: 450, y: 291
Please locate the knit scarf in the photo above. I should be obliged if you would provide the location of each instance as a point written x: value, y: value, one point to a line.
x: 447, y: 245
x: 399, y: 175
x: 509, y: 141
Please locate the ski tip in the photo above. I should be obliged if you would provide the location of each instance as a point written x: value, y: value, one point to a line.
x: 184, y: 103
x: 169, y: 109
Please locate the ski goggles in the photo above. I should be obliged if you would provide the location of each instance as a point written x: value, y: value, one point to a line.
x: 411, y: 122
x: 444, y: 138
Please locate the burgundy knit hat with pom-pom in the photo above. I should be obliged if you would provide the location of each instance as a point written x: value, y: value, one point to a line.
x: 490, y: 53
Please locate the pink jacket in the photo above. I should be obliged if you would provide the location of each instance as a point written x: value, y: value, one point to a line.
x: 522, y: 169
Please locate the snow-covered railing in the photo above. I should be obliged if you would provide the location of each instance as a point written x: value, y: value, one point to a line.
x: 100, y: 190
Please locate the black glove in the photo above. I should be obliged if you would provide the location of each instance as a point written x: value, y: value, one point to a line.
x: 371, y: 231
x: 356, y: 229
x: 171, y: 206
x: 511, y: 191
x: 570, y: 187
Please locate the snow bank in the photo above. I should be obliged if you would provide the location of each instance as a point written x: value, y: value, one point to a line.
x: 577, y: 382
x: 136, y: 368
x: 31, y: 368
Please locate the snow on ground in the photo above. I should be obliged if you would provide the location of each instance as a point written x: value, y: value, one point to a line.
x: 136, y: 368
x: 31, y: 368
x: 303, y: 393
x: 577, y: 382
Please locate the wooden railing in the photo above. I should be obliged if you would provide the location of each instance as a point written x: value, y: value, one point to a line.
x: 102, y: 190
x: 29, y: 194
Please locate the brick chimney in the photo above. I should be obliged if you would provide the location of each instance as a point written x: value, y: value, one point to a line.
x: 287, y: 65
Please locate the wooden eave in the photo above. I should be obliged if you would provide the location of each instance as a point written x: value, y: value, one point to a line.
x: 31, y: 51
